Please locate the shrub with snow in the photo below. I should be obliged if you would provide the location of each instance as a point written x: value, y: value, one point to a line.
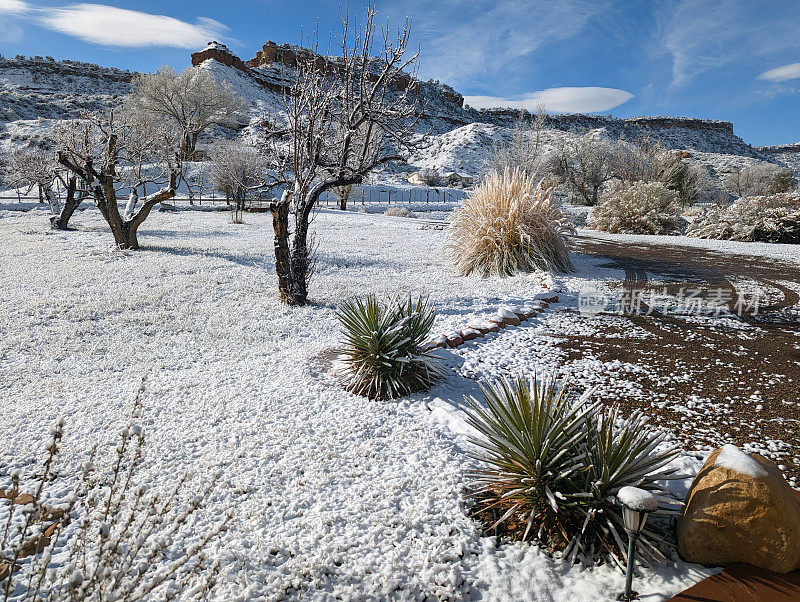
x: 638, y: 208
x: 509, y: 225
x: 553, y: 465
x: 399, y: 212
x: 383, y: 355
x: 115, y: 539
x: 770, y: 218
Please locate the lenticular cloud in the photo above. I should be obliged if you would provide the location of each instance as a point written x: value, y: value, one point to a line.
x: 113, y: 26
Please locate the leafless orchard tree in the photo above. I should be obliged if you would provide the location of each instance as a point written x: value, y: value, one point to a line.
x: 343, y: 119
x: 343, y: 194
x: 525, y: 150
x: 760, y: 179
x: 236, y: 170
x: 36, y: 167
x: 192, y: 100
x: 122, y: 150
x: 26, y: 168
x: 584, y: 164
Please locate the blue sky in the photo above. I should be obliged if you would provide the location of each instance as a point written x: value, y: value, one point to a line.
x: 736, y: 60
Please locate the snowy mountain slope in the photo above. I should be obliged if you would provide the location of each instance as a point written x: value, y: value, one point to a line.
x: 33, y: 88
x: 459, y: 138
x: 786, y: 154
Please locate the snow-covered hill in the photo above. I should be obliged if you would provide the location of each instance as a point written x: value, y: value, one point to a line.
x: 458, y: 138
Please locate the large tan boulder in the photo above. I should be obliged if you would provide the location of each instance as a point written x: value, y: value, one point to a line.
x: 741, y: 509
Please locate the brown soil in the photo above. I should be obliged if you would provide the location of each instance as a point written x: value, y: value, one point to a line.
x: 748, y: 374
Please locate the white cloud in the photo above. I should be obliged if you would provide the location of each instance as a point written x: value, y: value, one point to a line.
x: 463, y: 40
x: 703, y: 35
x: 13, y: 6
x: 782, y: 74
x: 111, y: 26
x: 586, y: 99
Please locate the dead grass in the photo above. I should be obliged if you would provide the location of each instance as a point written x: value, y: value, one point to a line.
x: 509, y: 225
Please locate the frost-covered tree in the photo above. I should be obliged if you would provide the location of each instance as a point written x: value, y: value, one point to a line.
x: 343, y: 194
x: 192, y: 100
x: 26, y: 168
x: 237, y: 169
x: 342, y: 121
x: 648, y: 160
x: 525, y: 150
x: 122, y: 150
x: 760, y: 179
x: 583, y: 164
x: 33, y: 167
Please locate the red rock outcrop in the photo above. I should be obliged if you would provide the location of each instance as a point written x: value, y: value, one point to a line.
x: 219, y: 52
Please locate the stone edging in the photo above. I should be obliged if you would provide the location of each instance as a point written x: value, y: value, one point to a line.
x: 507, y: 315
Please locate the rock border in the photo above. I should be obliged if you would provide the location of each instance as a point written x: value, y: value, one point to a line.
x: 507, y: 315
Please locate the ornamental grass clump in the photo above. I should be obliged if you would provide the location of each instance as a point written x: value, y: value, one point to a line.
x: 552, y: 464
x: 509, y: 224
x: 383, y: 354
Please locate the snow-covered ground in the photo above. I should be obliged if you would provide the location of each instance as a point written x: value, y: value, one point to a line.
x: 335, y: 496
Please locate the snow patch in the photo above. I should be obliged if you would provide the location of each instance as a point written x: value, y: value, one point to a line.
x: 732, y: 458
x: 637, y: 499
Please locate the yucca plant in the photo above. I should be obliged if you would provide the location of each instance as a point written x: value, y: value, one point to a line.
x: 553, y: 464
x: 530, y: 436
x: 509, y: 224
x: 382, y: 355
x: 623, y: 452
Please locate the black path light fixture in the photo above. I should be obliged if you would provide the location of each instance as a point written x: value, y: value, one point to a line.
x: 636, y: 505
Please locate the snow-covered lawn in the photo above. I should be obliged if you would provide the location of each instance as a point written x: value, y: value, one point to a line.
x: 335, y: 496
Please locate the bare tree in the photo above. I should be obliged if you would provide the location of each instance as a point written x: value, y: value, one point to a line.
x: 35, y: 167
x: 648, y: 160
x: 27, y: 168
x: 584, y: 164
x: 345, y: 116
x: 760, y: 179
x: 343, y: 194
x: 236, y: 170
x: 122, y: 150
x: 192, y: 100
x: 525, y: 150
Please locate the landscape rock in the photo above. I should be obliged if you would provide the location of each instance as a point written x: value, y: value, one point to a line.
x: 485, y: 327
x: 740, y: 509
x: 454, y: 339
x: 469, y: 334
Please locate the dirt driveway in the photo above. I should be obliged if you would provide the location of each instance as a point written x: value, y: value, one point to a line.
x: 712, y: 379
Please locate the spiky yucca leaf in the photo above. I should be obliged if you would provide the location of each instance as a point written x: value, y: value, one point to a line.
x: 626, y: 452
x: 530, y: 437
x: 554, y: 464
x: 509, y: 225
x: 382, y: 352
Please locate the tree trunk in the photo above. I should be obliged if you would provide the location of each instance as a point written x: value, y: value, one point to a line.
x: 343, y: 203
x: 280, y: 226
x: 300, y: 262
x: 61, y: 221
x: 130, y: 206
